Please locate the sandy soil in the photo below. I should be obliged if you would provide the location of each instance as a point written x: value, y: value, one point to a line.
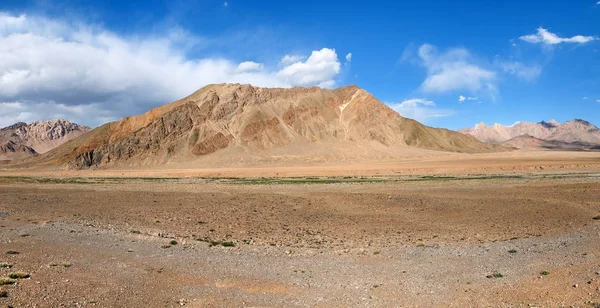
x: 430, y: 162
x: 404, y: 242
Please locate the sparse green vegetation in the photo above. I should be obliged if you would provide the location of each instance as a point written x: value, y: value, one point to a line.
x: 12, y: 252
x: 212, y: 243
x: 18, y: 275
x: 512, y: 251
x: 6, y: 281
x: 376, y: 252
x: 544, y: 273
x: 5, y: 265
x: 3, y: 293
x: 173, y: 242
x: 495, y: 275
x: 63, y: 264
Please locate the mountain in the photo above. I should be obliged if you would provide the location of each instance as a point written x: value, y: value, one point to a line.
x: 22, y: 140
x: 530, y: 142
x: 574, y: 131
x: 233, y: 124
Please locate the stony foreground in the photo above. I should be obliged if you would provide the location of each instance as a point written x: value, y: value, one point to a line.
x: 436, y: 242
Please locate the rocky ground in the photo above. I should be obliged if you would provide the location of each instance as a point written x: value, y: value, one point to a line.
x: 528, y: 241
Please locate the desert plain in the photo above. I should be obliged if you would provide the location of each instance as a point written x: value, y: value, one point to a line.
x: 515, y: 229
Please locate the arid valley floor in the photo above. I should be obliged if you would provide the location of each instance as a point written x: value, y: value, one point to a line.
x: 463, y: 232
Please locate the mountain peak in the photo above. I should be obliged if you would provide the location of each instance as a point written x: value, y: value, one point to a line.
x: 576, y: 130
x: 550, y: 124
x: 223, y: 124
x: 38, y: 137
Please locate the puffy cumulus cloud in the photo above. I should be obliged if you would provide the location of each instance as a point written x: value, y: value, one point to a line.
x: 47, y: 63
x: 454, y: 70
x: 320, y: 68
x: 349, y: 57
x: 291, y: 59
x: 522, y: 71
x: 420, y: 109
x: 249, y: 66
x: 543, y: 36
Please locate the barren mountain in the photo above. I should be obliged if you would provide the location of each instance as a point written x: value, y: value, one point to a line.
x: 530, y: 142
x: 22, y: 140
x: 232, y: 124
x: 574, y: 131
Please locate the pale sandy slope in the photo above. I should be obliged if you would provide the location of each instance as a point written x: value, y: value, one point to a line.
x: 433, y: 162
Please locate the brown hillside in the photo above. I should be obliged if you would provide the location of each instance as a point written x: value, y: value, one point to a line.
x: 232, y: 124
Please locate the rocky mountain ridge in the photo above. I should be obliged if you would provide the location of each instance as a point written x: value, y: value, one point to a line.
x: 22, y: 140
x: 233, y: 124
x: 574, y: 131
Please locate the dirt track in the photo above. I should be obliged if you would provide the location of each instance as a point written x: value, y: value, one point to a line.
x: 402, y: 243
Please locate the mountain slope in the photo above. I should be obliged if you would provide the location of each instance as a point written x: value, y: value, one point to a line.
x: 239, y: 124
x: 571, y: 131
x: 22, y: 140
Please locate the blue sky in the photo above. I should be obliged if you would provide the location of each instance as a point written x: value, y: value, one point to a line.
x: 447, y: 63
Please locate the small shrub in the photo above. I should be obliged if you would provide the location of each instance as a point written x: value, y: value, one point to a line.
x: 12, y: 252
x: 596, y: 217
x: 7, y: 281
x: 5, y: 265
x: 63, y: 264
x: 544, y: 273
x: 377, y: 252
x: 3, y: 293
x: 512, y: 251
x: 228, y: 244
x: 173, y: 242
x: 18, y: 275
x: 495, y: 275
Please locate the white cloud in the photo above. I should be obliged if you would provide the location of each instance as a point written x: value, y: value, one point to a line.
x: 13, y: 112
x: 454, y: 70
x: 46, y: 64
x: 462, y: 98
x: 249, y: 66
x: 543, y: 36
x: 526, y: 72
x: 349, y: 57
x: 225, y: 4
x: 320, y: 68
x: 291, y: 59
x: 420, y: 109
x: 585, y: 98
x: 598, y: 100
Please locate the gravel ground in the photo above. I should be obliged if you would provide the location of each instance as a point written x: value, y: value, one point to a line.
x: 393, y: 244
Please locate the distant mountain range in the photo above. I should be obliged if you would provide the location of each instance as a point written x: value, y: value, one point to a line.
x: 22, y: 140
x: 574, y: 134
